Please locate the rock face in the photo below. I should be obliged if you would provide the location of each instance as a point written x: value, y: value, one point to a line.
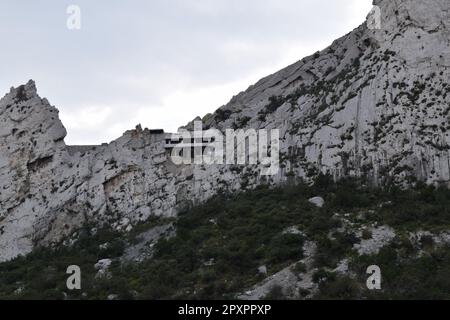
x: 31, y: 149
x: 373, y: 104
x: 49, y: 189
x: 380, y: 237
x: 317, y: 201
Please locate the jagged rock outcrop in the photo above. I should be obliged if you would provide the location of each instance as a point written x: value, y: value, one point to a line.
x: 373, y: 104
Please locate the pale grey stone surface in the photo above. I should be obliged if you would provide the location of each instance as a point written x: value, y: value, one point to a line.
x: 317, y: 201
x: 290, y: 283
x: 375, y: 103
x: 144, y: 248
x: 381, y: 236
x: 102, y: 267
x: 262, y: 270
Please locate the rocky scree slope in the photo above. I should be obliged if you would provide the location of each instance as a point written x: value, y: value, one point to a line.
x: 374, y: 104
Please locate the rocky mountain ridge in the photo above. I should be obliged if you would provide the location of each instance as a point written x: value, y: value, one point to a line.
x: 374, y: 104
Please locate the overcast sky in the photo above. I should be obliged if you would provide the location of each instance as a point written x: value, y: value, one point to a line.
x: 160, y: 63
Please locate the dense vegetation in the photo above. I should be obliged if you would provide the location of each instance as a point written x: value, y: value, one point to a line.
x: 219, y: 246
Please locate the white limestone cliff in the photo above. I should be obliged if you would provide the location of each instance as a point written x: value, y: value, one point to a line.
x: 376, y: 103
